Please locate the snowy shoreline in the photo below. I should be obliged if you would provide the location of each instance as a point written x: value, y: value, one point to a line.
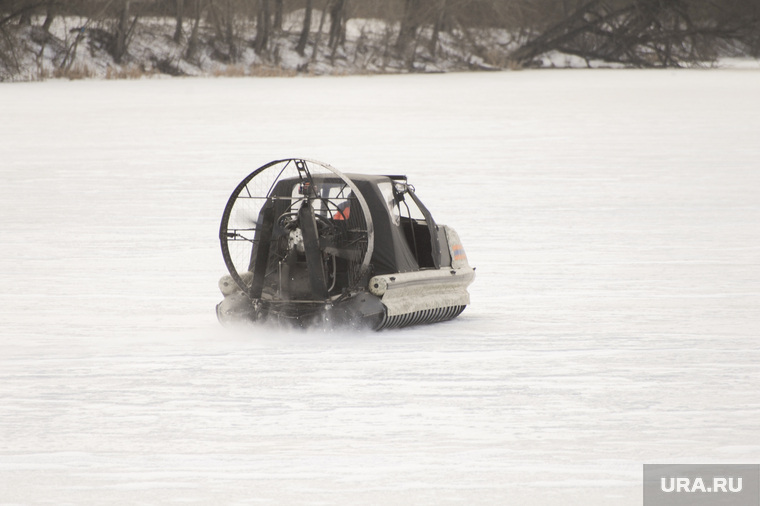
x: 72, y: 49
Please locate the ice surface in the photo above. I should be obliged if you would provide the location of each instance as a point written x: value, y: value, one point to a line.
x: 613, y: 216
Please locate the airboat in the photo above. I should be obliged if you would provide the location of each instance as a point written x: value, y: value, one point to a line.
x: 308, y: 245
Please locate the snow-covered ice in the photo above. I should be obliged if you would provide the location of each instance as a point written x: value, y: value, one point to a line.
x: 613, y: 216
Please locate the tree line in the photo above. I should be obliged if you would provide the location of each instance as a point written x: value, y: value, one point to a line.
x: 639, y: 33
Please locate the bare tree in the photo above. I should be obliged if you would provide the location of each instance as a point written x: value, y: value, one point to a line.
x: 438, y: 23
x: 223, y: 20
x: 49, y: 15
x: 19, y: 10
x: 337, y: 10
x: 123, y: 32
x: 304, y: 37
x: 192, y: 43
x: 640, y: 33
x: 410, y: 22
x: 179, y: 14
x: 278, y: 12
x: 263, y: 27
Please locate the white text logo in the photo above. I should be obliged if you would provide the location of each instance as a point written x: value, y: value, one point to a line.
x: 719, y: 484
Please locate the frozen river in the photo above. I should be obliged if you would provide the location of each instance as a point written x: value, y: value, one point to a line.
x: 613, y: 216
